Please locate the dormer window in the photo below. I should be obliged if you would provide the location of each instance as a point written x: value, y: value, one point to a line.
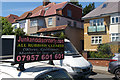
x: 69, y: 13
x: 104, y: 5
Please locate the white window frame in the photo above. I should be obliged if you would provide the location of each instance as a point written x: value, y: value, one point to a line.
x: 96, y: 23
x: 50, y: 21
x: 22, y: 23
x: 115, y: 20
x: 33, y: 23
x: 116, y: 35
x: 93, y: 38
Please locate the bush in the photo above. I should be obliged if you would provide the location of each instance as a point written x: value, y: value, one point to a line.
x: 104, y: 51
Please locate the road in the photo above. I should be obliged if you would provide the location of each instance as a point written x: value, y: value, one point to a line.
x: 99, y: 76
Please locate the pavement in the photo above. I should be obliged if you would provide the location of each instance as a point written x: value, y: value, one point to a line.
x: 101, y: 70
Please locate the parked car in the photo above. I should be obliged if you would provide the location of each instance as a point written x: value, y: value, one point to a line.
x: 114, y: 66
x: 33, y: 71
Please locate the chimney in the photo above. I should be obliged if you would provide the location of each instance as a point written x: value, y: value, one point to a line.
x: 45, y: 2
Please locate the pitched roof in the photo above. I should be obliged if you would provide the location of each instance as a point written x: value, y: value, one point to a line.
x: 12, y: 18
x: 104, y: 9
x: 50, y: 9
x: 62, y: 27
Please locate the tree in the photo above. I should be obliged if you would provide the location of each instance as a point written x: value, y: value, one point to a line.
x: 19, y: 32
x: 6, y: 27
x: 88, y: 8
x: 75, y: 2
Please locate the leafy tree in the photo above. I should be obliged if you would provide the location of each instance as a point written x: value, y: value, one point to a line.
x: 88, y: 8
x: 19, y: 32
x: 75, y: 2
x: 6, y: 27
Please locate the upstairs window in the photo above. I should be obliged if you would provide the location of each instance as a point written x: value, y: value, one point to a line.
x: 50, y: 21
x: 69, y: 14
x: 97, y: 22
x: 22, y: 25
x: 115, y: 20
x: 104, y: 5
x: 15, y: 26
x: 33, y: 23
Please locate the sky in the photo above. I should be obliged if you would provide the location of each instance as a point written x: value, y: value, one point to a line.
x: 18, y: 8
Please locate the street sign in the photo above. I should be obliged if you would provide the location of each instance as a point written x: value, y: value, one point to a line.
x: 31, y: 49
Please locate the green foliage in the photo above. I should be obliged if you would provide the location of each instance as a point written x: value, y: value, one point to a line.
x: 62, y: 35
x: 6, y: 27
x: 88, y: 8
x: 19, y: 32
x: 75, y: 2
x: 104, y: 51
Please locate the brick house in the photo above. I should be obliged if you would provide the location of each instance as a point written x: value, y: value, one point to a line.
x: 52, y: 18
x: 102, y: 25
x: 11, y: 18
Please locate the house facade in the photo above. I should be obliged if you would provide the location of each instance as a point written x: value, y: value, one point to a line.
x: 102, y: 25
x: 50, y: 18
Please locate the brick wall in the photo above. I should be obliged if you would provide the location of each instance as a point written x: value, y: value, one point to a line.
x: 76, y: 12
x: 99, y: 62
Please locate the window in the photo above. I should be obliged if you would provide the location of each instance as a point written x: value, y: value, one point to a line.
x: 15, y: 27
x: 97, y: 22
x: 113, y: 20
x: 69, y: 13
x: 50, y: 21
x: 116, y: 19
x: 119, y: 19
x: 75, y: 24
x: 22, y: 25
x: 33, y: 23
x: 96, y: 40
x: 69, y: 23
x: 115, y: 37
x: 104, y: 5
x: 58, y: 18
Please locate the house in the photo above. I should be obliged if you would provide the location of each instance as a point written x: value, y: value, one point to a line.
x: 102, y: 25
x: 51, y: 19
x: 11, y: 18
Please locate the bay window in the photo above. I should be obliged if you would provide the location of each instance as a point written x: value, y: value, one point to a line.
x: 33, y: 23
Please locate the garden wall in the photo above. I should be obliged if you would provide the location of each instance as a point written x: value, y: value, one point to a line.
x: 99, y: 61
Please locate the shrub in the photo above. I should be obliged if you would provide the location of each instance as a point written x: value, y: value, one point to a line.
x: 104, y: 51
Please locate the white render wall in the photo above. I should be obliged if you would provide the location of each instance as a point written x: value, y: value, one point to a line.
x: 15, y: 24
x: 114, y: 28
